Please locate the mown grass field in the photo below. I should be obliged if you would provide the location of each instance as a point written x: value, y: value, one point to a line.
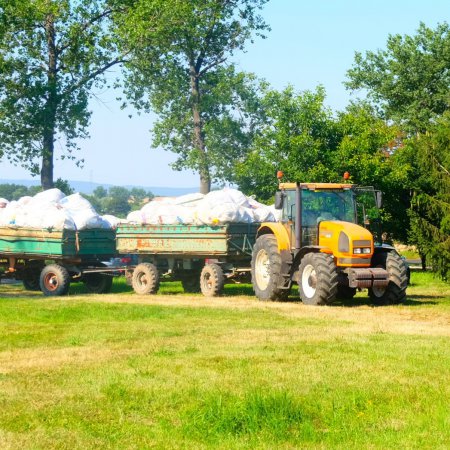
x: 181, y: 371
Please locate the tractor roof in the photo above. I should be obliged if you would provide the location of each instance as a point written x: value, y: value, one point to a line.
x: 316, y: 186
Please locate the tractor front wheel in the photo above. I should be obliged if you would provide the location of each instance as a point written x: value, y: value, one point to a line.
x: 317, y: 279
x: 395, y: 291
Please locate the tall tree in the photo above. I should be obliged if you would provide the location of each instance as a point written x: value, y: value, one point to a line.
x: 430, y: 209
x: 186, y: 76
x: 410, y: 83
x: 53, y: 53
x: 410, y: 79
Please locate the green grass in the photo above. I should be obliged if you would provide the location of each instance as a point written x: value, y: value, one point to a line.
x: 181, y: 371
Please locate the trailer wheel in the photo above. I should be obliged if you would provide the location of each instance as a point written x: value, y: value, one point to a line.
x: 54, y: 280
x: 97, y: 283
x: 191, y: 285
x: 211, y: 280
x: 31, y: 284
x: 317, y: 279
x: 31, y: 275
x: 266, y: 269
x: 395, y: 291
x: 145, y: 279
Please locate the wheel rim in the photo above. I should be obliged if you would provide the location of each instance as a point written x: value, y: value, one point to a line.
x: 262, y: 269
x: 207, y: 281
x: 143, y: 279
x: 378, y: 291
x: 309, y: 281
x: 51, y: 282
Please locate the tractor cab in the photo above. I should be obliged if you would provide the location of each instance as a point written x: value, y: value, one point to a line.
x: 324, y: 242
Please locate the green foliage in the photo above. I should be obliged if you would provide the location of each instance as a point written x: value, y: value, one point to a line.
x: 430, y: 211
x: 409, y: 80
x: 52, y: 54
x: 297, y: 135
x: 64, y: 186
x: 128, y: 372
x: 368, y: 150
x: 181, y: 70
x: 118, y: 200
x: 100, y: 192
x: 13, y: 191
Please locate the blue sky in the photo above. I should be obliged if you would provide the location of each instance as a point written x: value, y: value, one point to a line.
x: 311, y: 43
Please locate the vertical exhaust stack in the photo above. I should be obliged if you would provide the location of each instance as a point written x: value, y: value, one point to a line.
x: 298, y: 218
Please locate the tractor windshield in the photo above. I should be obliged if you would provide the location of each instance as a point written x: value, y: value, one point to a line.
x: 327, y: 205
x: 317, y: 206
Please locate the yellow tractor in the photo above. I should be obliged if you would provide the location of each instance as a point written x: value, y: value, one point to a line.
x: 318, y: 244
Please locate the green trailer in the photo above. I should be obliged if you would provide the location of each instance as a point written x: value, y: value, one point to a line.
x: 50, y: 259
x: 202, y: 257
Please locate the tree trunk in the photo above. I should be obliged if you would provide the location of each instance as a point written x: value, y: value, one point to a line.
x: 199, y: 138
x: 423, y: 259
x: 48, y: 133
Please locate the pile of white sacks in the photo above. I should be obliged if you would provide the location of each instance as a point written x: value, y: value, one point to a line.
x: 216, y: 208
x: 52, y: 209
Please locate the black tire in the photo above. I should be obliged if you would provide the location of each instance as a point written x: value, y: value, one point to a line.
x: 31, y: 284
x: 191, y: 284
x: 395, y: 291
x: 212, y: 280
x: 54, y: 280
x: 97, y: 283
x: 31, y: 275
x: 267, y: 275
x: 145, y: 279
x: 345, y: 292
x: 317, y: 279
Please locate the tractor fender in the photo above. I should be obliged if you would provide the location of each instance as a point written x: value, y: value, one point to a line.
x: 279, y: 231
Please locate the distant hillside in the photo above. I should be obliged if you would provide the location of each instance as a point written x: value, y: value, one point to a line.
x: 86, y: 187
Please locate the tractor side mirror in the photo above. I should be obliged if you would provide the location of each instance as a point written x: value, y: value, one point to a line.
x: 379, y: 198
x: 279, y: 199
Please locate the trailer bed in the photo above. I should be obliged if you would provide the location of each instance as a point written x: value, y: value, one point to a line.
x: 232, y: 239
x: 48, y: 243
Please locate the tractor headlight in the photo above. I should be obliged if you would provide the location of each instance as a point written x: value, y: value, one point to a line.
x: 359, y: 251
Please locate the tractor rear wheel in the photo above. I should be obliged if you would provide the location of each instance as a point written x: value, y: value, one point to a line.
x: 317, y: 279
x: 267, y: 276
x: 395, y: 291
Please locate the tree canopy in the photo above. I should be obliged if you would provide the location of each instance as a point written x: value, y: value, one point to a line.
x: 430, y: 209
x: 186, y: 76
x: 410, y: 83
x: 53, y: 53
x: 409, y: 80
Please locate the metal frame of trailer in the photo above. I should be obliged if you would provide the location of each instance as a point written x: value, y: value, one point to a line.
x: 202, y: 257
x: 48, y: 260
